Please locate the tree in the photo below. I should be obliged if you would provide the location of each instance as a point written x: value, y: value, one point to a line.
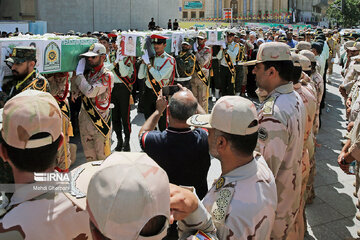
x: 346, y: 13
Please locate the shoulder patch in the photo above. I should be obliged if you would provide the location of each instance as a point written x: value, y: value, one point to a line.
x: 268, y: 107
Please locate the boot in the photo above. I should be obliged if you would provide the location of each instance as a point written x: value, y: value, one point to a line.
x: 126, y: 147
x: 120, y: 143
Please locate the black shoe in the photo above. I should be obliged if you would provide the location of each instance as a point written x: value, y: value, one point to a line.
x: 126, y: 147
x: 119, y: 145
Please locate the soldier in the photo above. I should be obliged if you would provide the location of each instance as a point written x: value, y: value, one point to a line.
x: 303, y: 63
x: 200, y: 82
x: 33, y: 148
x: 59, y: 88
x: 185, y: 65
x: 227, y: 54
x: 233, y: 133
x: 241, y: 57
x: 124, y: 77
x: 158, y: 71
x: 332, y: 43
x: 281, y: 131
x: 22, y: 63
x: 94, y: 87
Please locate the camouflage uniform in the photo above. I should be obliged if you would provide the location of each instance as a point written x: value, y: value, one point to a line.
x: 237, y: 215
x: 41, y: 213
x: 199, y: 89
x: 96, y: 86
x: 281, y: 135
x: 319, y: 86
x: 310, y: 104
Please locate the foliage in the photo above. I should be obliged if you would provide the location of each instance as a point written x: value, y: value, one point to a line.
x: 346, y: 13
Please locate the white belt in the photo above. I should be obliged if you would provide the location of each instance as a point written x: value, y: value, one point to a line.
x: 183, y: 79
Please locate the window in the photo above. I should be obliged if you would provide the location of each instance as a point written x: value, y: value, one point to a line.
x: 201, y: 14
x: 185, y: 14
x: 234, y: 6
x: 193, y: 14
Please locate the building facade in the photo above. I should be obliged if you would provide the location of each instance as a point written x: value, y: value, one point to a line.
x: 92, y: 15
x: 302, y: 10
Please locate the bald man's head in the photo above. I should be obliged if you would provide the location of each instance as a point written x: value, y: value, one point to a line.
x: 182, y: 105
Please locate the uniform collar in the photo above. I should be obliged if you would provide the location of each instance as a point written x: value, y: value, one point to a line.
x: 286, y: 88
x: 178, y: 130
x: 297, y: 86
x: 160, y: 54
x: 241, y: 173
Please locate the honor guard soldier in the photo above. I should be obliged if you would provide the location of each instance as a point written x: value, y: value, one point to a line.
x: 124, y: 77
x: 200, y: 82
x: 22, y: 64
x: 185, y: 65
x: 227, y: 55
x: 94, y: 87
x: 159, y: 71
x: 281, y: 131
x: 59, y: 89
x: 241, y: 57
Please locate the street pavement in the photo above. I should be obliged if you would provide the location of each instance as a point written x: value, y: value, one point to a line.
x: 332, y: 214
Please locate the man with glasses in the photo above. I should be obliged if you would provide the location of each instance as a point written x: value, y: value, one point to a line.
x: 94, y: 86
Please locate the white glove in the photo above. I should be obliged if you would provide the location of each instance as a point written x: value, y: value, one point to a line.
x: 80, y: 67
x: 224, y: 45
x: 332, y: 60
x: 195, y: 47
x: 145, y: 57
x: 119, y: 57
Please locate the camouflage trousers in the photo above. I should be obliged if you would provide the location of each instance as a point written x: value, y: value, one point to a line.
x: 300, y: 221
x: 93, y: 142
x: 200, y: 91
x: 310, y: 193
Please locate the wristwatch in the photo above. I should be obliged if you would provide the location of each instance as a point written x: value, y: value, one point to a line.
x: 343, y: 162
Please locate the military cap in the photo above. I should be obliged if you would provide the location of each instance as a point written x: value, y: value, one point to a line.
x: 303, y: 45
x: 282, y: 38
x: 22, y: 54
x: 295, y: 59
x: 29, y: 113
x: 95, y: 49
x: 186, y: 41
x: 355, y: 47
x: 305, y: 62
x: 271, y: 51
x: 230, y: 32
x: 201, y: 35
x: 158, y: 39
x: 123, y: 193
x: 230, y: 114
x: 348, y: 44
x: 307, y: 53
x: 357, y: 63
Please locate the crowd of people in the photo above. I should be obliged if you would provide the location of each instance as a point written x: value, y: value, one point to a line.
x: 267, y: 89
